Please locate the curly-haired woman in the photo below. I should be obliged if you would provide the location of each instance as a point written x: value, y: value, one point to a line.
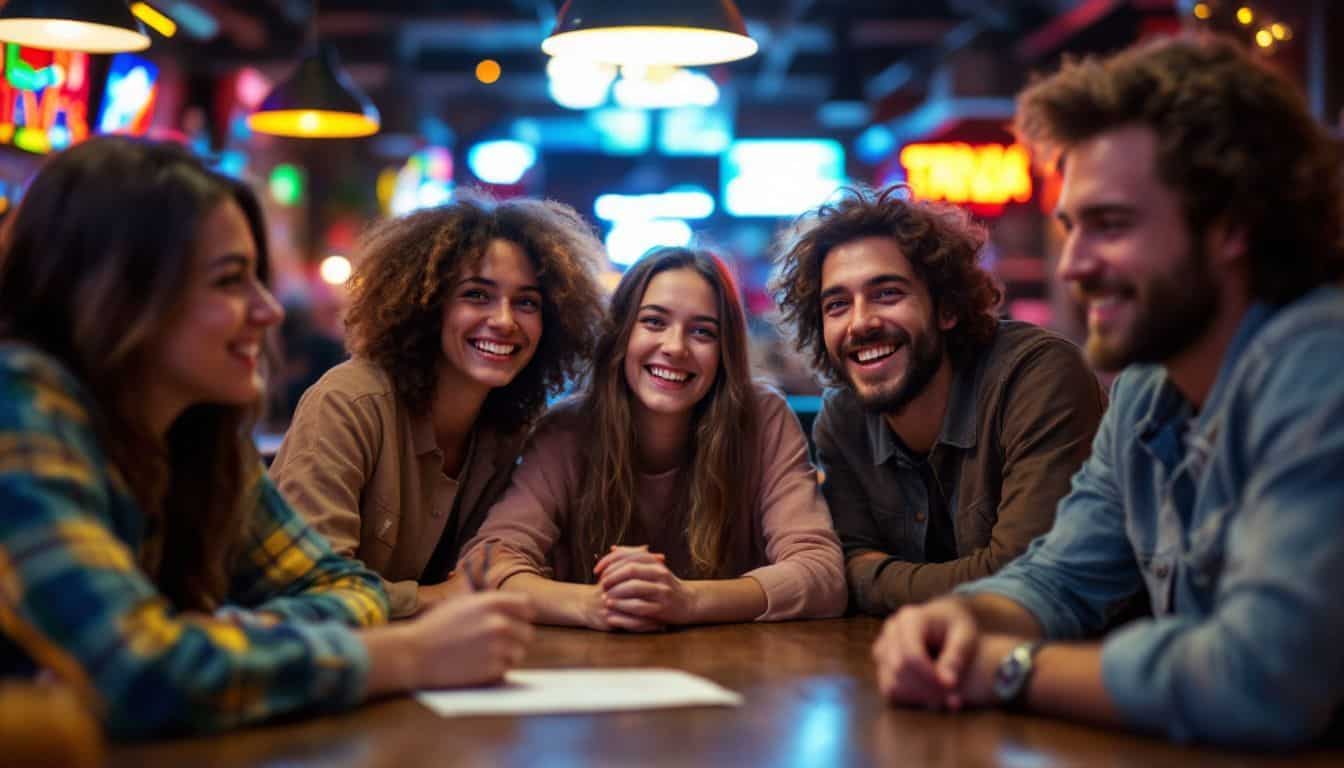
x: 462, y: 320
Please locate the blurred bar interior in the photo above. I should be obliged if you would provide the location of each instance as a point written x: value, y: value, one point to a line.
x: 770, y: 106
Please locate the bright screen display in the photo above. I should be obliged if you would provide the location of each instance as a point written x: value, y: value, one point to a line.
x: 128, y: 99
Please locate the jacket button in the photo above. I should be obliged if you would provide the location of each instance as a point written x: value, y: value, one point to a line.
x: 1162, y: 570
x: 919, y: 517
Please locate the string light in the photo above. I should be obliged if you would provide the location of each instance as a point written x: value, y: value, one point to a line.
x: 488, y: 71
x: 1267, y: 34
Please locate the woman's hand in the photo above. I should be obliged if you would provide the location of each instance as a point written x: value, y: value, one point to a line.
x: 471, y: 640
x: 637, y: 583
x: 598, y: 614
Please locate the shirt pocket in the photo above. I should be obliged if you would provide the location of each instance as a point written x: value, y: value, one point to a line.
x: 386, y: 525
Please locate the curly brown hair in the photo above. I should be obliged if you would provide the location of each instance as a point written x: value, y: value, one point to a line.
x: 408, y: 266
x: 941, y: 242
x: 1235, y: 140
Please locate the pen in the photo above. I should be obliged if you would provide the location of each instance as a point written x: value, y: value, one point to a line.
x: 476, y: 578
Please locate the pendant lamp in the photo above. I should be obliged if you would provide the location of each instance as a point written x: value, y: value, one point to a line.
x: 681, y: 32
x: 318, y: 101
x: 92, y: 26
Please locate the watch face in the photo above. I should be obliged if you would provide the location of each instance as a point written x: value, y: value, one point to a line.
x: 1012, y: 674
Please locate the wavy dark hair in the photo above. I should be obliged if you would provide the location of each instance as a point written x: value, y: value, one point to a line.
x: 1235, y: 141
x: 723, y: 427
x: 941, y: 242
x: 93, y: 267
x: 408, y: 267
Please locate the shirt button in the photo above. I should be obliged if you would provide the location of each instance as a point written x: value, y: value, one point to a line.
x: 1162, y: 570
x: 919, y: 517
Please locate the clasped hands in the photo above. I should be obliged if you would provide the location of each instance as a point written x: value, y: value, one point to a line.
x: 636, y: 591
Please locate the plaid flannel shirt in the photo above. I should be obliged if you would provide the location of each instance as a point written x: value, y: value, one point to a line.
x: 70, y: 586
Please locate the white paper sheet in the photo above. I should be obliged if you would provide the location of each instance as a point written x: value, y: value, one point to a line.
x: 553, y: 691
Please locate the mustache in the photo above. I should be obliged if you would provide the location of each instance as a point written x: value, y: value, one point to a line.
x: 1089, y: 288
x: 897, y: 337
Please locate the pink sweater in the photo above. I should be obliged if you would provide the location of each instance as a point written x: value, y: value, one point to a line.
x: 785, y: 539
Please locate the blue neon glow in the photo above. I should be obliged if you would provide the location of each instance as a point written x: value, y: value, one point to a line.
x: 875, y: 144
x: 503, y: 161
x: 680, y: 203
x: 628, y: 240
x: 622, y: 131
x: 780, y: 177
x: 695, y: 131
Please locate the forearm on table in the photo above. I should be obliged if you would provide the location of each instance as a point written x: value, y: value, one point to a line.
x: 1068, y: 683
x: 392, y: 664
x: 1002, y: 615
x: 1066, y: 679
x: 882, y: 583
x: 557, y: 602
x: 720, y: 601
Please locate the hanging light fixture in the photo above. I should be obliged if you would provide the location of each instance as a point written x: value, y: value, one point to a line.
x: 92, y: 26
x: 319, y: 100
x: 681, y: 32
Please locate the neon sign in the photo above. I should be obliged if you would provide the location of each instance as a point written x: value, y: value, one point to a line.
x: 44, y: 98
x: 128, y: 100
x: 980, y: 174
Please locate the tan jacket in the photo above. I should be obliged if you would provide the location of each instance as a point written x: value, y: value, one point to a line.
x: 368, y: 475
x: 784, y: 541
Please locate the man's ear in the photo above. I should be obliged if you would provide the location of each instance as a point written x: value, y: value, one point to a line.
x: 947, y: 320
x: 1225, y: 242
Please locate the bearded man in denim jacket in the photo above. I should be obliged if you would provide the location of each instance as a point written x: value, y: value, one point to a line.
x: 1201, y: 206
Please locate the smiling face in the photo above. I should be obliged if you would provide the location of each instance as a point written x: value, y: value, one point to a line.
x: 672, y: 355
x: 492, y: 319
x: 210, y: 354
x: 879, y: 324
x: 1128, y: 254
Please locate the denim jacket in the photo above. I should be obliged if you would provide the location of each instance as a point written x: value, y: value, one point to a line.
x: 1233, y: 520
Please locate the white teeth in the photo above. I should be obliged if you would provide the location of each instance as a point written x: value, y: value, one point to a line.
x: 494, y: 348
x: 668, y: 374
x: 249, y: 350
x: 873, y: 353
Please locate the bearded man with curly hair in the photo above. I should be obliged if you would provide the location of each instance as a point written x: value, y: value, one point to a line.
x: 949, y: 434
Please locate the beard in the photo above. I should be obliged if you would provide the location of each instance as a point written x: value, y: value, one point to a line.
x: 926, y: 355
x: 1172, y: 311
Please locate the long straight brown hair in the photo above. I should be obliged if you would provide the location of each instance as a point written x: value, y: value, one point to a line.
x: 93, y: 267
x: 723, y: 428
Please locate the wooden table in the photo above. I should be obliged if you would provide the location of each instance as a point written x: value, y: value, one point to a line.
x: 809, y: 701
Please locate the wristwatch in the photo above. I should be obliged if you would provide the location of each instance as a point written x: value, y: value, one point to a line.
x: 1010, y: 679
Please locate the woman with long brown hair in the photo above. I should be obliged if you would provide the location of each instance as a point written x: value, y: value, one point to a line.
x: 144, y: 556
x: 462, y: 320
x: 672, y: 490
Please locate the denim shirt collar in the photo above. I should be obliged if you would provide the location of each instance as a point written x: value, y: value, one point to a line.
x: 958, y: 430
x: 1170, y: 404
